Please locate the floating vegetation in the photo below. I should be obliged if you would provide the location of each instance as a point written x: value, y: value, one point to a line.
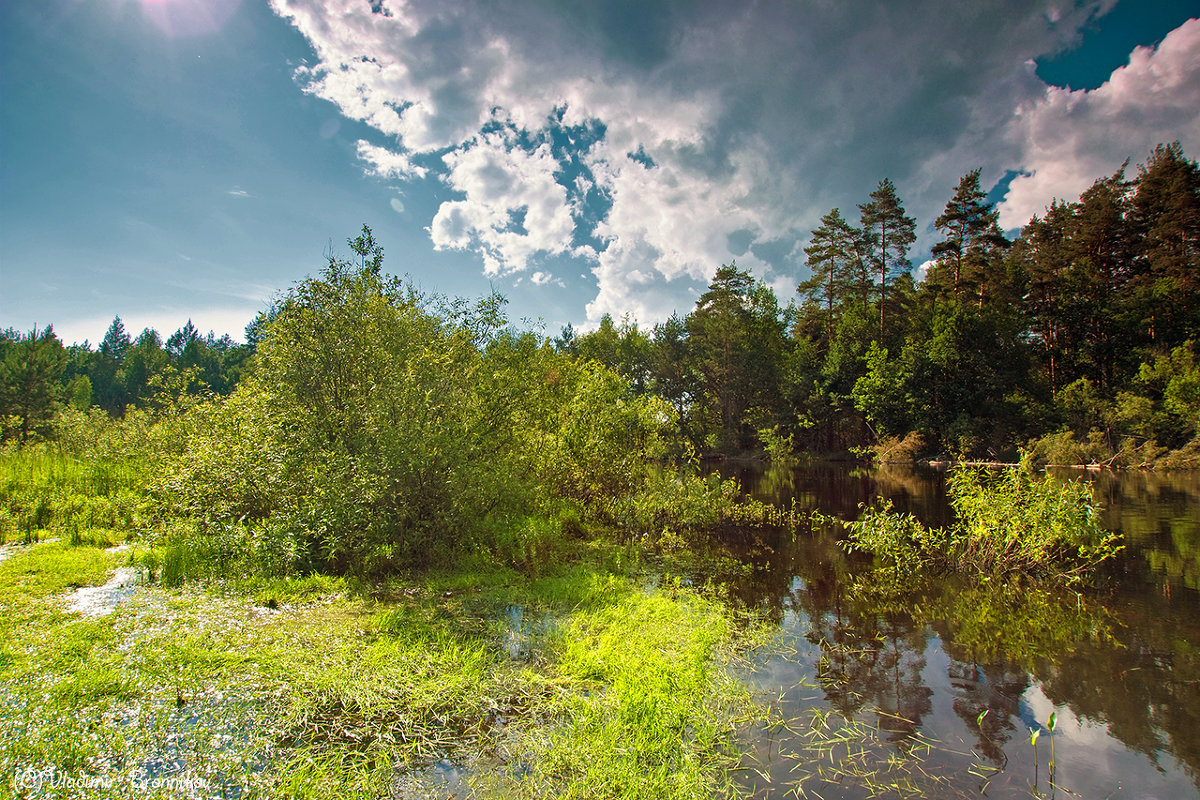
x: 832, y: 749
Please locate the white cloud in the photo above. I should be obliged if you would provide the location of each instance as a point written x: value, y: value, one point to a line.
x: 1068, y: 139
x: 667, y: 223
x: 513, y: 206
x: 757, y: 118
x: 388, y: 163
x: 236, y: 192
x: 540, y: 278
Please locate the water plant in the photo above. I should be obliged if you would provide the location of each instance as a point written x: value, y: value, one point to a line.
x: 1050, y: 723
x: 1010, y: 521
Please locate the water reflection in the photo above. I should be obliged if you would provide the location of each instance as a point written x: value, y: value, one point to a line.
x: 977, y: 669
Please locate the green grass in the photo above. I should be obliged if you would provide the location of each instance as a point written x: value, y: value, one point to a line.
x: 655, y: 720
x: 314, y: 687
x: 85, y: 499
x: 555, y: 671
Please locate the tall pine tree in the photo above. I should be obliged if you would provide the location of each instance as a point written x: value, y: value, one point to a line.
x: 840, y: 273
x: 890, y: 232
x: 973, y: 241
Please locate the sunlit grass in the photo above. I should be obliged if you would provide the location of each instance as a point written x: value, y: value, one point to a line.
x: 311, y: 687
x: 88, y: 500
x: 560, y: 670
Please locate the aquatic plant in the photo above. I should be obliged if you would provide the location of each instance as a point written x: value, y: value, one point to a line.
x: 1007, y: 521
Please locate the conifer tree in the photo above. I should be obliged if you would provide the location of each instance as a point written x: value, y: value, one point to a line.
x: 973, y: 240
x: 837, y: 258
x: 890, y: 232
x: 1165, y: 221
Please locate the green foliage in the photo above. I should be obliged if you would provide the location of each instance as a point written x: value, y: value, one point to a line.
x: 888, y: 232
x: 1063, y: 448
x: 1010, y: 522
x: 901, y: 545
x: 124, y: 372
x: 1085, y: 321
x: 780, y: 447
x: 969, y: 255
x: 378, y: 431
x: 1022, y: 522
x: 658, y: 719
x: 736, y: 340
x: 837, y: 256
x: 881, y: 394
x: 671, y: 503
x: 31, y: 368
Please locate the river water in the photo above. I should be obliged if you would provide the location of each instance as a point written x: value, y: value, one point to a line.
x: 940, y: 692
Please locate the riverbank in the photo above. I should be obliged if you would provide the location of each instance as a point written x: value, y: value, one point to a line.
x: 589, y: 679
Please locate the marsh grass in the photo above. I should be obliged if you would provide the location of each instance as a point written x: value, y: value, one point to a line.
x: 90, y: 500
x: 319, y: 687
x: 830, y: 749
x: 559, y: 668
x: 654, y: 718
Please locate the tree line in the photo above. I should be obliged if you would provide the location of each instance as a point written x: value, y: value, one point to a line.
x: 39, y: 375
x: 1075, y: 337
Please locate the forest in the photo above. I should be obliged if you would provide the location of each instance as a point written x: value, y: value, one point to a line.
x: 392, y: 537
x: 1075, y: 339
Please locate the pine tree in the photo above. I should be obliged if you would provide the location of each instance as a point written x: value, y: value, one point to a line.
x: 1101, y: 247
x: 889, y: 233
x: 31, y: 369
x: 973, y: 240
x: 837, y: 258
x: 1165, y: 221
x: 116, y: 341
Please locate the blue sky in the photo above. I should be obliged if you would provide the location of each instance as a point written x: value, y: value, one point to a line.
x: 174, y: 159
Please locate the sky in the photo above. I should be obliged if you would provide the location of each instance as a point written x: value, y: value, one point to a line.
x: 167, y: 160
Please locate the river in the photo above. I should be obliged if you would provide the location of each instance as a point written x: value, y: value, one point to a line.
x: 957, y: 689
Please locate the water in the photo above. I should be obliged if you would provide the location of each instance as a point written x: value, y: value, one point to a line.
x: 940, y: 695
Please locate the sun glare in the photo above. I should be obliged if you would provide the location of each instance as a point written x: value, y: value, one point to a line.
x: 189, y: 17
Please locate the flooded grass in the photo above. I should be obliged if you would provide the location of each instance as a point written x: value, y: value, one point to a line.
x: 579, y: 683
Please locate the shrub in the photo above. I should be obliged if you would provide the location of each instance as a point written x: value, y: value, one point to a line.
x: 894, y: 450
x: 1011, y: 521
x: 380, y: 431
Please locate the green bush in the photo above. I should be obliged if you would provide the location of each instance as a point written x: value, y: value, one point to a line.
x: 379, y: 430
x: 1007, y: 521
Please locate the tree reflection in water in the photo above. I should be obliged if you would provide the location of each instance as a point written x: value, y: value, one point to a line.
x: 925, y: 659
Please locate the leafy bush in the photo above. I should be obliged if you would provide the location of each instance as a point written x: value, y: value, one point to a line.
x: 1013, y: 521
x: 1062, y: 448
x: 380, y: 430
x: 900, y: 543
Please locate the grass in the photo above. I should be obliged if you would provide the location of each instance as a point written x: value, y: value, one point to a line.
x: 43, y: 488
x: 314, y: 687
